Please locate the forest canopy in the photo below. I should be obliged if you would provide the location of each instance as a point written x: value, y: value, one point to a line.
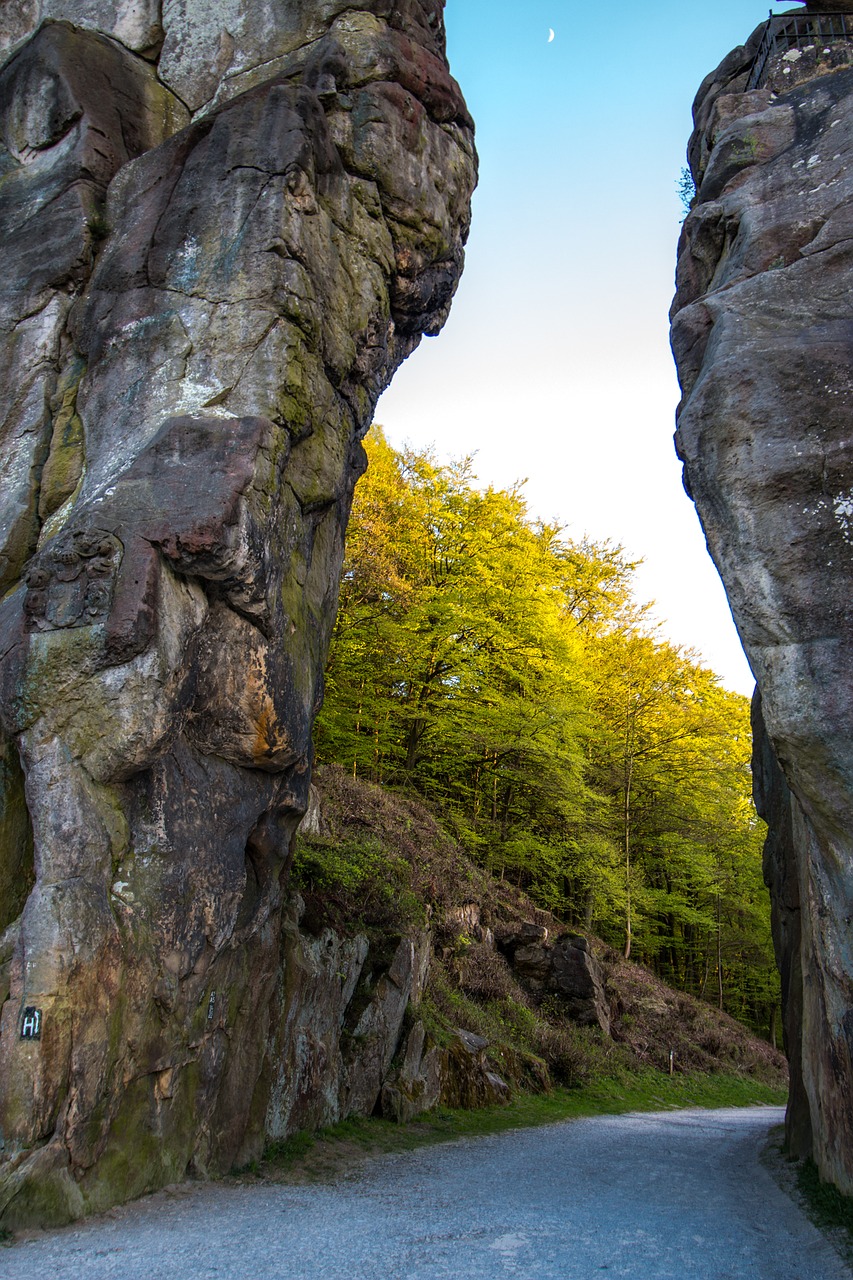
x: 507, y: 674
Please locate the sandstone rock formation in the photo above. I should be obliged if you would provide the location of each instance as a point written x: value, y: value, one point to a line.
x: 826, y: 6
x: 341, y: 1006
x: 223, y: 228
x: 763, y: 337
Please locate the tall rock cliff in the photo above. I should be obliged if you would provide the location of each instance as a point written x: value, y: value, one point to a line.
x: 763, y: 337
x: 222, y: 228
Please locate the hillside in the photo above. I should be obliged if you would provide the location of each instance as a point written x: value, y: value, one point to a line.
x: 548, y: 1006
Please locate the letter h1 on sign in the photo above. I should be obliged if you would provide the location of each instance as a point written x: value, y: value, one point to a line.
x: 31, y: 1024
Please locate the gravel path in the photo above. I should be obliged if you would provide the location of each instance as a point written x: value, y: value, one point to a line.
x: 677, y: 1195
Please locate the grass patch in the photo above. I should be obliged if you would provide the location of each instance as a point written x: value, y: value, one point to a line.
x: 333, y: 1151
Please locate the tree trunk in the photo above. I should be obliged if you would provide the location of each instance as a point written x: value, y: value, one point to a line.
x: 413, y: 737
x: 719, y: 955
x: 705, y: 976
x: 508, y: 794
x: 627, y: 817
x: 357, y: 729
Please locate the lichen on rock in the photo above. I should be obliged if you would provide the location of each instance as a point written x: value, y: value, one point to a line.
x: 212, y: 267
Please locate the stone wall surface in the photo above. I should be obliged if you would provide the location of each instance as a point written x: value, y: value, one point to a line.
x: 763, y: 337
x: 223, y: 227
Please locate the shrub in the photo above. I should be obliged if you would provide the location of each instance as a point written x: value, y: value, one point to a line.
x: 356, y: 885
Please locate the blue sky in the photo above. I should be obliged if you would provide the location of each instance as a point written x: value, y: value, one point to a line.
x: 555, y: 363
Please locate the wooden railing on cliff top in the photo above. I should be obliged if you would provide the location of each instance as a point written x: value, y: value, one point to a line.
x: 793, y: 31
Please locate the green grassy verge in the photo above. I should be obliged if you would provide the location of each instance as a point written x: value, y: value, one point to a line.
x: 825, y: 1204
x: 306, y: 1157
x: 830, y: 1211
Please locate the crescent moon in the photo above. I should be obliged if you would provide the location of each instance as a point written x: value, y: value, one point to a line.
x: 550, y: 34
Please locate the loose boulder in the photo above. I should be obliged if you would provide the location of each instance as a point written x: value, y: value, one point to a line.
x: 565, y: 970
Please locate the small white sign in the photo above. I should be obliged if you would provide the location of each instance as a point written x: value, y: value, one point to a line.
x: 31, y: 1024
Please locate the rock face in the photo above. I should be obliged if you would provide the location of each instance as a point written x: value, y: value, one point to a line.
x: 763, y: 336
x: 223, y: 228
x: 565, y: 969
x: 342, y: 1006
